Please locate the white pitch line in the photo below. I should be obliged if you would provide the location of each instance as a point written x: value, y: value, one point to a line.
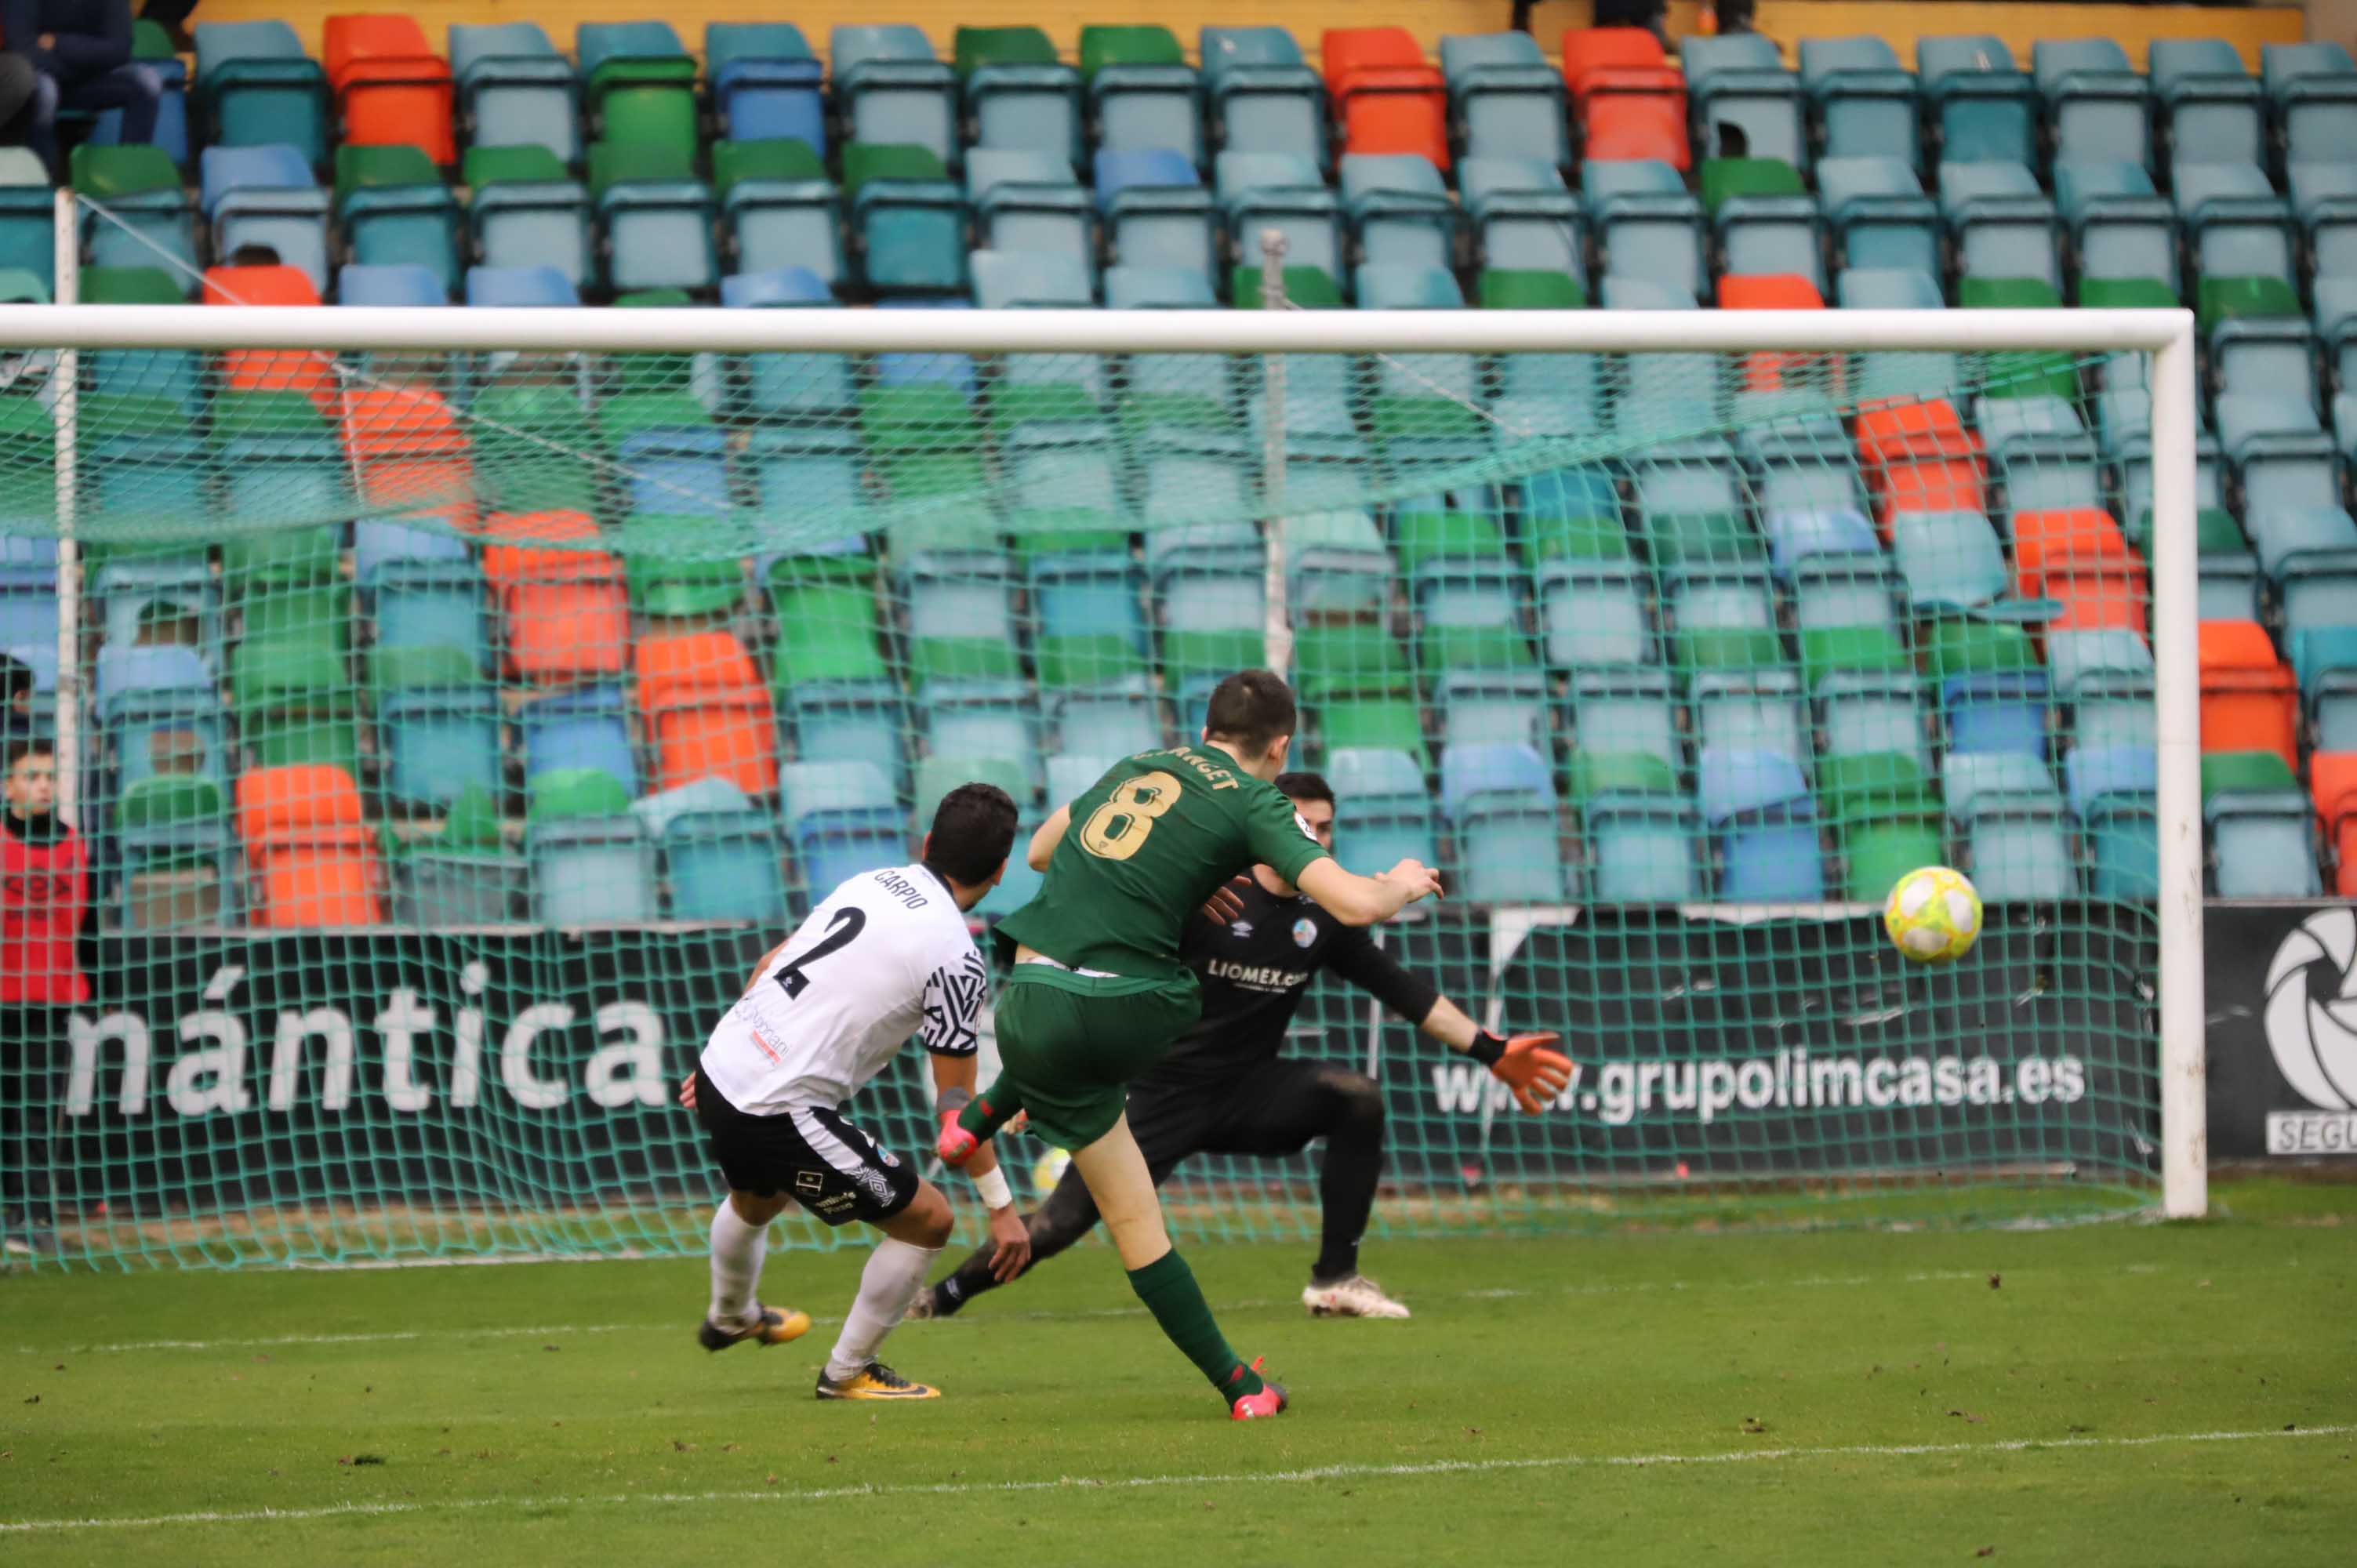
x: 1121, y: 1483
x: 1500, y: 1292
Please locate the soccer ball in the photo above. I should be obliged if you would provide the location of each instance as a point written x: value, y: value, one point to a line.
x: 1048, y: 1171
x: 1933, y: 916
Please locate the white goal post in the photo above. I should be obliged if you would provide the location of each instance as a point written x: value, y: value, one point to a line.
x: 2168, y: 336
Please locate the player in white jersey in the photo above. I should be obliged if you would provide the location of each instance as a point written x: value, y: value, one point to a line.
x: 887, y: 956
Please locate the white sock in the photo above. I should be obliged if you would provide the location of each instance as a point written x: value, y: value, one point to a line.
x: 887, y: 1285
x: 736, y: 1252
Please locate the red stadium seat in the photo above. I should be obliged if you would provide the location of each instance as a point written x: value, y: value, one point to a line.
x: 2249, y: 700
x: 1775, y: 291
x: 566, y: 611
x: 704, y: 706
x: 2081, y: 558
x: 410, y: 452
x: 2332, y: 780
x: 390, y: 85
x: 1387, y: 98
x: 1630, y: 101
x: 311, y: 855
x: 1918, y: 457
x: 305, y: 370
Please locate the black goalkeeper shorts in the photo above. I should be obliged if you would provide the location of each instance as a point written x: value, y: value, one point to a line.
x: 811, y: 1153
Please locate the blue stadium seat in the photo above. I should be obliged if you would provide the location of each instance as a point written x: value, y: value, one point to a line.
x: 722, y: 865
x: 1026, y: 200
x: 541, y: 221
x: 1878, y: 214
x: 586, y: 726
x: 2098, y: 110
x: 266, y: 196
x: 1382, y: 814
x: 1759, y: 808
x: 1985, y: 109
x: 806, y: 384
x: 438, y: 742
x: 2113, y: 792
x: 2314, y: 89
x: 2011, y: 821
x: 1592, y: 613
x: 1500, y: 801
x: 2004, y: 225
x: 2325, y: 198
x: 1283, y: 191
x: 1507, y: 98
x: 658, y: 230
x: 858, y: 721
x: 2235, y: 224
x: 1027, y: 106
x: 1264, y: 97
x: 765, y: 83
x: 774, y: 222
x: 2213, y: 108
x: 2325, y: 659
x: 1119, y: 718
x: 1738, y: 80
x: 514, y: 89
x: 2001, y: 712
x: 1862, y: 100
x: 592, y: 871
x: 996, y: 719
x: 890, y: 87
x: 1155, y: 212
x: 1524, y: 218
x: 1137, y: 104
x: 2105, y: 679
x: 1651, y: 228
x: 2120, y: 227
x: 1399, y: 209
x: 255, y: 86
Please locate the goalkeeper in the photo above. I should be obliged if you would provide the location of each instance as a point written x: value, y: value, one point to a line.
x: 1224, y: 1090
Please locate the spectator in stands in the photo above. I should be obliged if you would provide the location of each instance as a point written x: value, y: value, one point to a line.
x: 44, y: 895
x: 81, y: 52
x: 19, y: 85
x: 18, y: 683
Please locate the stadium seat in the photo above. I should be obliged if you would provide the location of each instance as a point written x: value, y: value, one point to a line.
x: 1737, y: 83
x: 1506, y: 101
x: 1264, y: 97
x: 2080, y: 558
x: 395, y: 211
x: 2324, y: 658
x: 2235, y: 224
x: 705, y: 711
x: 591, y: 861
x: 2003, y: 224
x: 1624, y: 733
x: 309, y: 857
x: 438, y: 723
x: 2210, y: 104
x: 656, y: 215
x: 779, y: 209
x: 514, y: 89
x: 1984, y: 108
x: 526, y: 212
x: 2098, y: 109
x: 1399, y: 209
x: 176, y: 867
x: 2249, y: 700
x: 1283, y: 191
x: 266, y: 196
x: 908, y: 219
x: 1155, y: 210
x: 27, y: 220
x: 1381, y: 813
x: 638, y: 87
x: 1142, y: 94
x: 1759, y: 808
x: 765, y: 83
x: 1631, y: 103
x: 1017, y: 94
x: 1524, y: 218
x: 389, y: 84
x: 1386, y: 99
x: 564, y: 608
x: 1028, y: 201
x: 1650, y: 228
x: 2120, y: 228
x: 255, y: 86
x: 2261, y: 827
x: 2313, y: 87
x: 1861, y: 100
x: 977, y: 719
x: 2332, y: 782
x: 890, y: 89
x: 1500, y: 801
x: 1764, y: 221
x: 148, y: 211
x: 1878, y: 214
x: 720, y: 857
x: 2011, y: 822
x: 1720, y: 616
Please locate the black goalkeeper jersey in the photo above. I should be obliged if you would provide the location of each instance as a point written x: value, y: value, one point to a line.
x: 1254, y: 973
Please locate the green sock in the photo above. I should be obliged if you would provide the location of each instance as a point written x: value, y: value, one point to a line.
x: 1167, y: 1287
x: 993, y: 1108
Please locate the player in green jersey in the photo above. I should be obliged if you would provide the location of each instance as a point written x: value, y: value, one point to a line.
x: 1097, y: 992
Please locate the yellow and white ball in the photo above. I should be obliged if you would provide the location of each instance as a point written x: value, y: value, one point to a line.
x: 1933, y: 916
x: 1048, y: 1171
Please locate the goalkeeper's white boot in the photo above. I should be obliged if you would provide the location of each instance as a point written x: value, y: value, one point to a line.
x: 1353, y: 1296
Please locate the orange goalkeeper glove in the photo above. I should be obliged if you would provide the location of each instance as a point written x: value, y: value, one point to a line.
x: 1525, y: 1063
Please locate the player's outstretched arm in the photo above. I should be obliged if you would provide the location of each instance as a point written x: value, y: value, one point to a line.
x: 1044, y: 841
x: 954, y: 1080
x: 1526, y: 1063
x: 1358, y: 900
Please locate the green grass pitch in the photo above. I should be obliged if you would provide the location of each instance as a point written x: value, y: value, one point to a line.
x: 2119, y: 1393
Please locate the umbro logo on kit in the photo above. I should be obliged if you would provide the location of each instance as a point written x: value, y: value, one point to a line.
x: 1240, y: 930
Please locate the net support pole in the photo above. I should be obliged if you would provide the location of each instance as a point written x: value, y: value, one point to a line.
x: 1278, y: 631
x: 65, y: 380
x: 2176, y: 650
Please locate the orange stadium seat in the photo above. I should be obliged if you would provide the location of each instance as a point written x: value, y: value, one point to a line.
x: 312, y: 856
x: 2332, y: 780
x: 1918, y: 457
x: 1387, y: 97
x: 410, y: 452
x: 305, y: 370
x: 2249, y: 700
x: 2082, y: 558
x: 568, y: 612
x: 1772, y: 291
x: 391, y: 87
x: 703, y: 703
x: 1630, y: 101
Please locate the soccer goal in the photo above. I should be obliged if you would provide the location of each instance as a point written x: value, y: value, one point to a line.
x: 455, y: 703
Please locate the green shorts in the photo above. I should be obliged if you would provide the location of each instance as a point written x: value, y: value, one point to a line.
x: 1070, y: 1043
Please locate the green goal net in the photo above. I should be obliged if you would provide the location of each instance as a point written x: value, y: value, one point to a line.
x: 448, y: 732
